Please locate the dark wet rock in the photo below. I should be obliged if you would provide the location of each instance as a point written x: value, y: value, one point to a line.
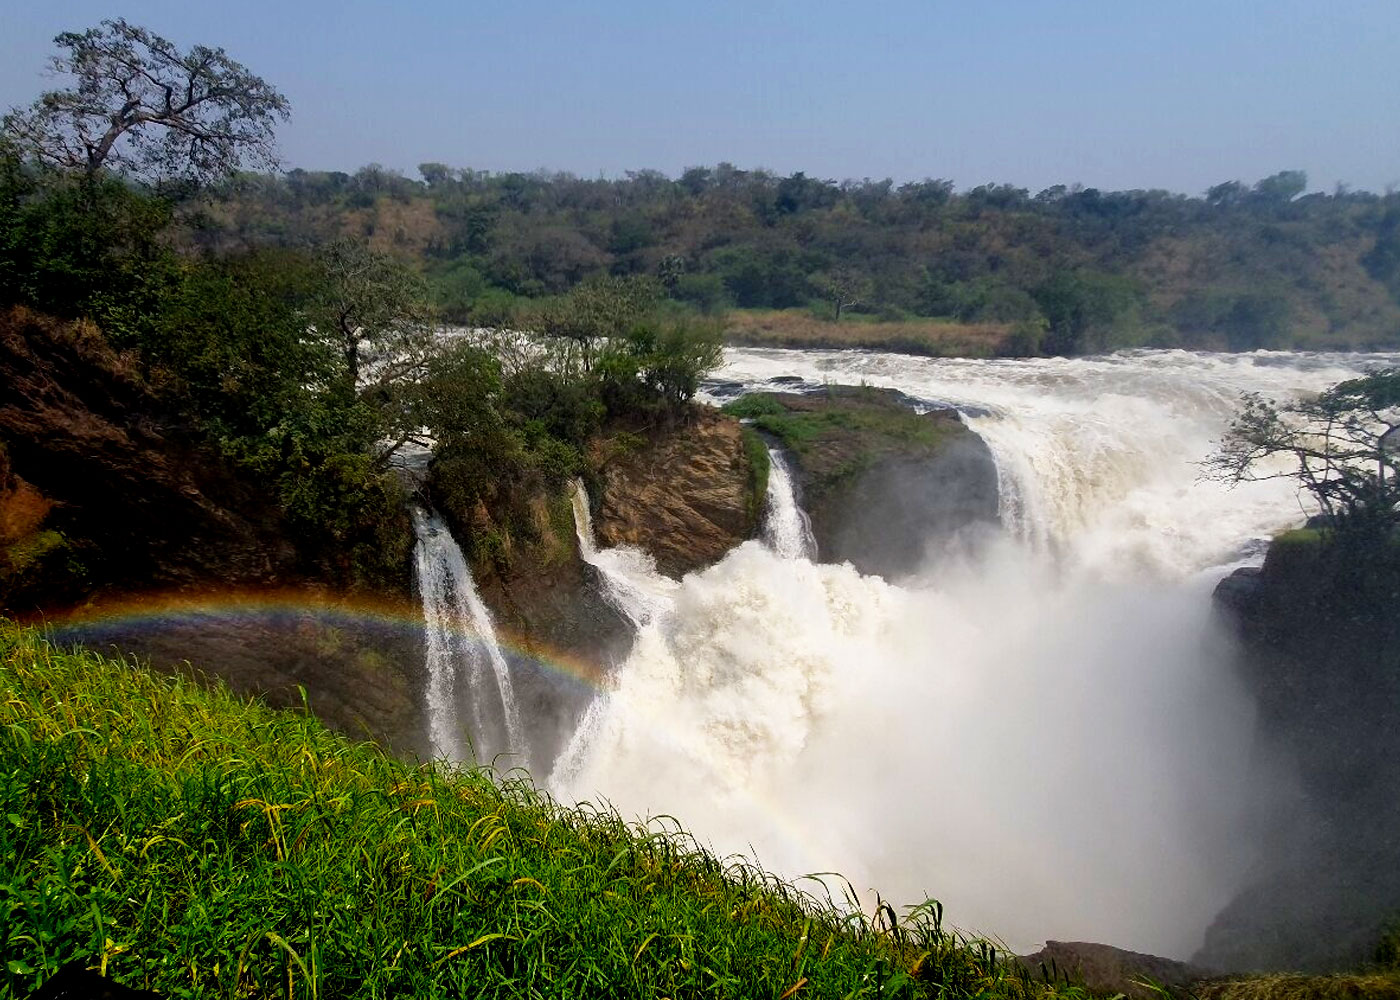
x: 887, y: 488
x: 1108, y: 970
x: 1320, y: 653
x: 363, y: 677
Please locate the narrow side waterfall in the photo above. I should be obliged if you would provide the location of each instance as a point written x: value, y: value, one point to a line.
x: 786, y: 528
x: 472, y: 714
x: 631, y: 582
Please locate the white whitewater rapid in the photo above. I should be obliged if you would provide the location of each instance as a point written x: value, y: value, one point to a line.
x: 1046, y: 735
x: 468, y: 677
x: 628, y: 576
x: 786, y: 528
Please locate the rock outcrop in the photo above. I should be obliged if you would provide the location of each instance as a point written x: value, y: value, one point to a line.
x: 683, y: 492
x: 1108, y: 970
x: 105, y: 494
x: 885, y: 487
x: 1320, y: 640
x: 128, y: 496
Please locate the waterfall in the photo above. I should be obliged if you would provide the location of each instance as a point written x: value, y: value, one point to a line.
x: 1045, y: 734
x: 630, y: 580
x: 786, y: 527
x: 465, y: 666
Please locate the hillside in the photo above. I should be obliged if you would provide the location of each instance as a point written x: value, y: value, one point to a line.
x: 1066, y: 270
x: 185, y: 841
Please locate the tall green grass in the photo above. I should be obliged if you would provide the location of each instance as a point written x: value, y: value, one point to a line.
x: 179, y: 839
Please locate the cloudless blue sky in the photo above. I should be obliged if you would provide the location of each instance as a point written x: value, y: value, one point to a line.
x: 1177, y: 94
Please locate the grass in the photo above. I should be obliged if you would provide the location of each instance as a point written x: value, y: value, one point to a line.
x: 1289, y: 986
x: 179, y: 839
x: 756, y: 453
x: 799, y: 328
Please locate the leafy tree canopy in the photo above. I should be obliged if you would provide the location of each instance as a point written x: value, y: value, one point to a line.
x: 1344, y: 448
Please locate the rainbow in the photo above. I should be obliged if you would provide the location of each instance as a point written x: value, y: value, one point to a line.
x: 106, y: 620
x: 115, y: 620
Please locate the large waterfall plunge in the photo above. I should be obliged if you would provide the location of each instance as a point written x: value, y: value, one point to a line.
x: 471, y: 707
x: 1045, y: 734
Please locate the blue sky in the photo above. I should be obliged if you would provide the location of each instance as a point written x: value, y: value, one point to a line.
x: 1177, y: 94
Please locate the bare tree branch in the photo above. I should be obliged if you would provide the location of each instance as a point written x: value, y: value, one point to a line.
x: 141, y: 107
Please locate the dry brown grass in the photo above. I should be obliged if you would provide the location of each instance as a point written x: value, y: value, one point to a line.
x: 799, y: 328
x: 22, y: 510
x: 1291, y: 986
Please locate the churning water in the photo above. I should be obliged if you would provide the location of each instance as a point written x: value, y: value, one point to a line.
x: 1046, y: 734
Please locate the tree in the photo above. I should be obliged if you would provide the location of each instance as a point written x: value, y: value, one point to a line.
x: 141, y: 106
x: 844, y: 288
x: 595, y: 311
x: 372, y: 310
x: 1344, y: 446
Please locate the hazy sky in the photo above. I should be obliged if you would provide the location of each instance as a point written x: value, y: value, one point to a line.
x: 1179, y: 94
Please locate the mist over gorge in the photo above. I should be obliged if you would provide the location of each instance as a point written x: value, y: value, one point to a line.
x: 1043, y: 726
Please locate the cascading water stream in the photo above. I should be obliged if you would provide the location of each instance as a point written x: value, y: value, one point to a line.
x: 786, y: 527
x: 465, y: 666
x: 1045, y: 734
x: 630, y: 580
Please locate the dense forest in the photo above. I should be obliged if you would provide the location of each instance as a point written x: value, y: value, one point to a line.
x: 1068, y: 270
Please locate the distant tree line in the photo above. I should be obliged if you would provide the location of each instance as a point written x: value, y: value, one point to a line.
x: 1069, y: 269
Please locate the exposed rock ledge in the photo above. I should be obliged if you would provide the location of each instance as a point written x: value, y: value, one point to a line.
x: 683, y: 493
x: 885, y: 487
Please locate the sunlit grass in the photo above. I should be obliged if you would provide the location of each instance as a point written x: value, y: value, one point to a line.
x: 186, y: 841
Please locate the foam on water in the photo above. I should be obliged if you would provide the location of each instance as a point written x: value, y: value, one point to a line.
x: 1046, y: 735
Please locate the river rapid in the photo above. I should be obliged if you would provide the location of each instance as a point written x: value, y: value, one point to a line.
x: 1043, y: 730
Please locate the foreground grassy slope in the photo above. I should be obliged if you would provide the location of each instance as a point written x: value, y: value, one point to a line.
x: 189, y: 842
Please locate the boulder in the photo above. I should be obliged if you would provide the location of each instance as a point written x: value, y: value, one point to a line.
x: 681, y: 492
x: 886, y: 488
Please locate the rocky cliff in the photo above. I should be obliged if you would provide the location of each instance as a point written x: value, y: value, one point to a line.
x: 682, y: 492
x: 105, y: 495
x: 104, y: 488
x: 886, y: 488
x: 1320, y: 640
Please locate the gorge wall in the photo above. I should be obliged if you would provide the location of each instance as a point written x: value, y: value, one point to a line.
x: 1320, y: 653
x: 885, y: 487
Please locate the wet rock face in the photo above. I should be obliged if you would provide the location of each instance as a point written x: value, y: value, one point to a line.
x: 1108, y: 970
x: 362, y: 679
x: 681, y: 493
x: 1320, y: 652
x: 133, y: 498
x: 886, y: 488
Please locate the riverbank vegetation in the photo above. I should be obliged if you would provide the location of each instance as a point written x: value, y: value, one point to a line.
x: 918, y: 266
x: 295, y: 365
x: 181, y: 840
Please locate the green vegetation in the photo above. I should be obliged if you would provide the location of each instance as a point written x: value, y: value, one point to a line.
x: 302, y: 363
x: 759, y: 466
x: 1343, y: 447
x: 1290, y: 986
x: 803, y: 424
x: 181, y: 840
x: 994, y: 270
